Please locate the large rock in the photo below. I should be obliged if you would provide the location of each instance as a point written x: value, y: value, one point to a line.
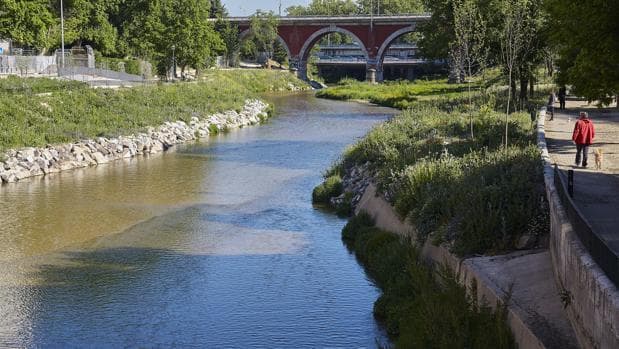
x: 100, y: 158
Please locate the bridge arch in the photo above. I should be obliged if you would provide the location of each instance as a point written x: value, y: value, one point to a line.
x: 385, y: 45
x: 313, y: 39
x: 245, y: 33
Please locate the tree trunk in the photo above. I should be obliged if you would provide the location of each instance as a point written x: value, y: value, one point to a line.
x: 470, y: 109
x: 509, y: 93
x: 531, y: 86
x: 512, y: 86
x: 524, y: 83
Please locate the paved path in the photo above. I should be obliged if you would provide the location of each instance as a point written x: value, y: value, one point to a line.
x: 596, y: 193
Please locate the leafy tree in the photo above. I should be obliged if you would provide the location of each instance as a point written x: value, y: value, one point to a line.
x: 586, y: 34
x: 142, y: 29
x: 230, y: 37
x: 218, y: 10
x: 391, y: 7
x: 438, y: 32
x: 325, y: 8
x: 27, y: 22
x: 88, y: 21
x: 263, y: 33
x: 156, y: 29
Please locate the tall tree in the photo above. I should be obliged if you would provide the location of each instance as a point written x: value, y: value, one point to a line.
x: 468, y: 51
x: 232, y: 44
x: 263, y: 32
x: 514, y: 41
x: 161, y: 29
x: 325, y: 8
x: 391, y: 7
x: 218, y: 10
x: 89, y: 21
x: 27, y: 22
x: 438, y: 32
x: 586, y: 34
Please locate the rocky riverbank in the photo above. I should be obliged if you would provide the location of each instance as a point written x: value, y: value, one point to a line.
x: 18, y: 164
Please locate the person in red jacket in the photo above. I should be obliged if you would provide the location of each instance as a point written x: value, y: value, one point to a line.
x: 583, y: 135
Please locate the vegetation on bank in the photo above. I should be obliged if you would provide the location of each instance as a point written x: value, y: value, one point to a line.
x: 470, y: 192
x: 331, y: 187
x: 13, y: 84
x: 421, y: 307
x: 32, y: 117
x: 398, y: 94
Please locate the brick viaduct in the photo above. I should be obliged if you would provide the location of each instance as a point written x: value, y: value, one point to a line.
x: 373, y: 34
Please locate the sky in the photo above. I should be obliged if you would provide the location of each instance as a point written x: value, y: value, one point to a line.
x: 248, y: 7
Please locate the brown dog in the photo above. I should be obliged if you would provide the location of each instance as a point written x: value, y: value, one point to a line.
x: 599, y: 158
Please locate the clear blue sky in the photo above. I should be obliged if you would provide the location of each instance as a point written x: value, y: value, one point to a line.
x: 248, y: 7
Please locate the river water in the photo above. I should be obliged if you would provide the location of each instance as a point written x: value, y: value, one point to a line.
x: 210, y: 245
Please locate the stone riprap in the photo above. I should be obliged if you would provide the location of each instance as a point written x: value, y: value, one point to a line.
x: 354, y: 181
x: 29, y: 162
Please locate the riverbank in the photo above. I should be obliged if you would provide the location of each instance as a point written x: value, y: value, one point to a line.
x: 60, y: 126
x: 29, y: 162
x: 35, y: 112
x: 421, y: 308
x: 449, y: 185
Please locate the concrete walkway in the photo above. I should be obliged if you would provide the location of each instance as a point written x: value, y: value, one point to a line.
x: 596, y: 192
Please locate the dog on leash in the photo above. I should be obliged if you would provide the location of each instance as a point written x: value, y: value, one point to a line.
x: 599, y: 158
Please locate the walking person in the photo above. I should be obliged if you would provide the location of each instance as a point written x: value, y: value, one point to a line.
x: 561, y: 95
x: 583, y: 135
x: 552, y: 99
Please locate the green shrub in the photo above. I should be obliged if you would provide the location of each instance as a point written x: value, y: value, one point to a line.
x: 331, y: 187
x: 355, y: 224
x: 482, y: 202
x: 421, y: 307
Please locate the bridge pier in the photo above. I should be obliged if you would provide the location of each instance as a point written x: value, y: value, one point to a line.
x: 299, y: 67
x: 371, y: 70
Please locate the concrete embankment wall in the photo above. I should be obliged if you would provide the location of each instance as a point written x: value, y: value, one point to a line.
x: 387, y: 219
x: 29, y: 162
x: 593, y: 300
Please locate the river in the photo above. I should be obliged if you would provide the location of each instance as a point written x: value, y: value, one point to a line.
x: 211, y: 245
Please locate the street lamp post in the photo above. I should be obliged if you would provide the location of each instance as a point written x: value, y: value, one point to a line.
x: 62, y: 33
x: 173, y: 63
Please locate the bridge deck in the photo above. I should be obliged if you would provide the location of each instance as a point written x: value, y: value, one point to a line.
x: 322, y: 20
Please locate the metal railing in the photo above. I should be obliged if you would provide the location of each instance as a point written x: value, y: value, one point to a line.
x: 599, y: 250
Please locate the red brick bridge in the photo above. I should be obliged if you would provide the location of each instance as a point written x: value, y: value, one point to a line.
x: 373, y: 34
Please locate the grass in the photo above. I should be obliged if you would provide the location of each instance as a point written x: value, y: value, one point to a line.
x: 14, y: 85
x: 398, y: 94
x: 71, y: 111
x: 421, y: 307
